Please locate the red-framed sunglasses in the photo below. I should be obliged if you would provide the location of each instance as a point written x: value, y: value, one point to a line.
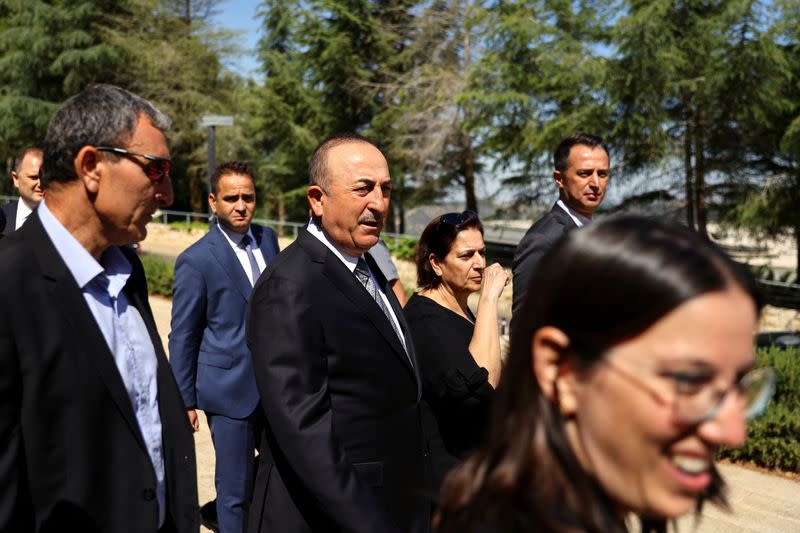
x: 156, y: 168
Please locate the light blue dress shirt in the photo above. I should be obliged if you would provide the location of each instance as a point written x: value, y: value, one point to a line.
x: 124, y: 331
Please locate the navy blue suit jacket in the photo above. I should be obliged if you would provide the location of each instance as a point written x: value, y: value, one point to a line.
x: 207, y: 345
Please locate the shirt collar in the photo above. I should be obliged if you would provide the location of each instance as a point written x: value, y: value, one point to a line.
x: 83, y: 267
x: 579, y: 219
x: 235, y: 238
x: 23, y: 211
x: 348, y: 260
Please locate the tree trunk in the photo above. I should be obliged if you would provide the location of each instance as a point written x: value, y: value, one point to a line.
x: 689, y: 177
x: 699, y: 180
x: 281, y: 215
x: 400, y: 206
x: 469, y: 174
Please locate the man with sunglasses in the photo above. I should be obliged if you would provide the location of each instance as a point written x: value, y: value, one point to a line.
x: 94, y: 431
x: 581, y: 175
x: 335, y: 367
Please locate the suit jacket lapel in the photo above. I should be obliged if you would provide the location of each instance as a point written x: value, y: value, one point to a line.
x: 563, y: 217
x: 80, y: 321
x: 398, y: 312
x: 221, y: 250
x: 268, y: 250
x: 347, y: 283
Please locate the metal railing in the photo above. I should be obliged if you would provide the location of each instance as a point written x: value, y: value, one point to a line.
x: 165, y: 216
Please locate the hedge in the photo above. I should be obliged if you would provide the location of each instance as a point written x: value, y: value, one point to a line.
x: 160, y: 274
x: 774, y: 438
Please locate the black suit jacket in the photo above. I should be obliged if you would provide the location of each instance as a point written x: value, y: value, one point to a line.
x: 343, y: 448
x: 72, y: 457
x: 10, y: 211
x: 544, y: 233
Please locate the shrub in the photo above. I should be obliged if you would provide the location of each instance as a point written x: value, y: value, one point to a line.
x: 189, y: 226
x: 402, y: 248
x: 773, y: 437
x: 160, y: 274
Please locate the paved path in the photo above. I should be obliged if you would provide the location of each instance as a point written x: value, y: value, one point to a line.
x: 761, y: 502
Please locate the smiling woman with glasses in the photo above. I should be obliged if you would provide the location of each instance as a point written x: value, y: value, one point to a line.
x: 631, y: 364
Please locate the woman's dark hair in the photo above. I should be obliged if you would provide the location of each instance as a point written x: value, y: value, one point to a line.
x: 437, y: 238
x: 598, y: 285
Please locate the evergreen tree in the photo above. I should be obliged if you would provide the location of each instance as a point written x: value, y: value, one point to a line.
x: 690, y: 79
x: 180, y: 71
x: 48, y: 52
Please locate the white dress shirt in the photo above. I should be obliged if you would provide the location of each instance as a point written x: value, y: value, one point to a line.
x: 233, y: 239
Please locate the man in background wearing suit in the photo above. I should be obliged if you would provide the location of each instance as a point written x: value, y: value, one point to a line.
x: 581, y: 175
x: 207, y: 346
x: 339, y: 381
x: 93, y: 432
x: 26, y: 179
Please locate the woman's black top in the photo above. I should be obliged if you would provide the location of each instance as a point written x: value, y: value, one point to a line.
x: 455, y: 390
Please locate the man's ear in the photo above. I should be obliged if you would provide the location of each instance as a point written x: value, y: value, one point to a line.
x: 314, y: 193
x: 87, y: 168
x: 559, y: 178
x: 212, y: 202
x: 15, y: 178
x: 554, y: 369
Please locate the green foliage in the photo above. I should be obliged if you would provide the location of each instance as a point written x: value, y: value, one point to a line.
x: 402, y: 248
x: 183, y: 225
x: 160, y: 274
x: 48, y: 52
x: 180, y: 71
x: 773, y: 437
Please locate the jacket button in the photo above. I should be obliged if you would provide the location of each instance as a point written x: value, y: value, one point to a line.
x: 148, y: 494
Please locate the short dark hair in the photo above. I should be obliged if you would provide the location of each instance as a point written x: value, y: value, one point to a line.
x: 317, y: 165
x: 24, y: 152
x: 100, y: 115
x: 561, y: 154
x: 231, y: 167
x: 437, y: 238
x: 625, y: 273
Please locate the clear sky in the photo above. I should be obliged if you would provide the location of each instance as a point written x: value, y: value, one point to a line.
x: 240, y: 17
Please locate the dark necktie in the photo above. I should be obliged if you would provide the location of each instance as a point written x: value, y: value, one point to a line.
x: 245, y: 245
x: 364, y: 276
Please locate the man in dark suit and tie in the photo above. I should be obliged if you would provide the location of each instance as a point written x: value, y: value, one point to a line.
x: 335, y: 366
x: 26, y: 179
x: 581, y: 175
x: 207, y: 345
x: 93, y: 432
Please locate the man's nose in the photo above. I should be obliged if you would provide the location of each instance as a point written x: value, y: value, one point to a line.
x: 164, y: 193
x: 378, y: 203
x: 594, y: 179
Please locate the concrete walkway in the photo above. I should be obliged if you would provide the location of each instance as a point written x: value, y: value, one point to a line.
x: 760, y: 502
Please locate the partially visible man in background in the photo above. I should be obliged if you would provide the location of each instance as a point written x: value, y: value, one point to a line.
x: 207, y: 345
x: 581, y: 175
x: 93, y: 431
x: 26, y: 179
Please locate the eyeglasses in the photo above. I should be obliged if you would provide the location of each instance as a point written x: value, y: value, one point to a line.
x: 696, y: 399
x: 156, y: 169
x: 454, y: 219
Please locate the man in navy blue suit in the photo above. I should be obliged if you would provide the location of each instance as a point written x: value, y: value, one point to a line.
x: 207, y: 345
